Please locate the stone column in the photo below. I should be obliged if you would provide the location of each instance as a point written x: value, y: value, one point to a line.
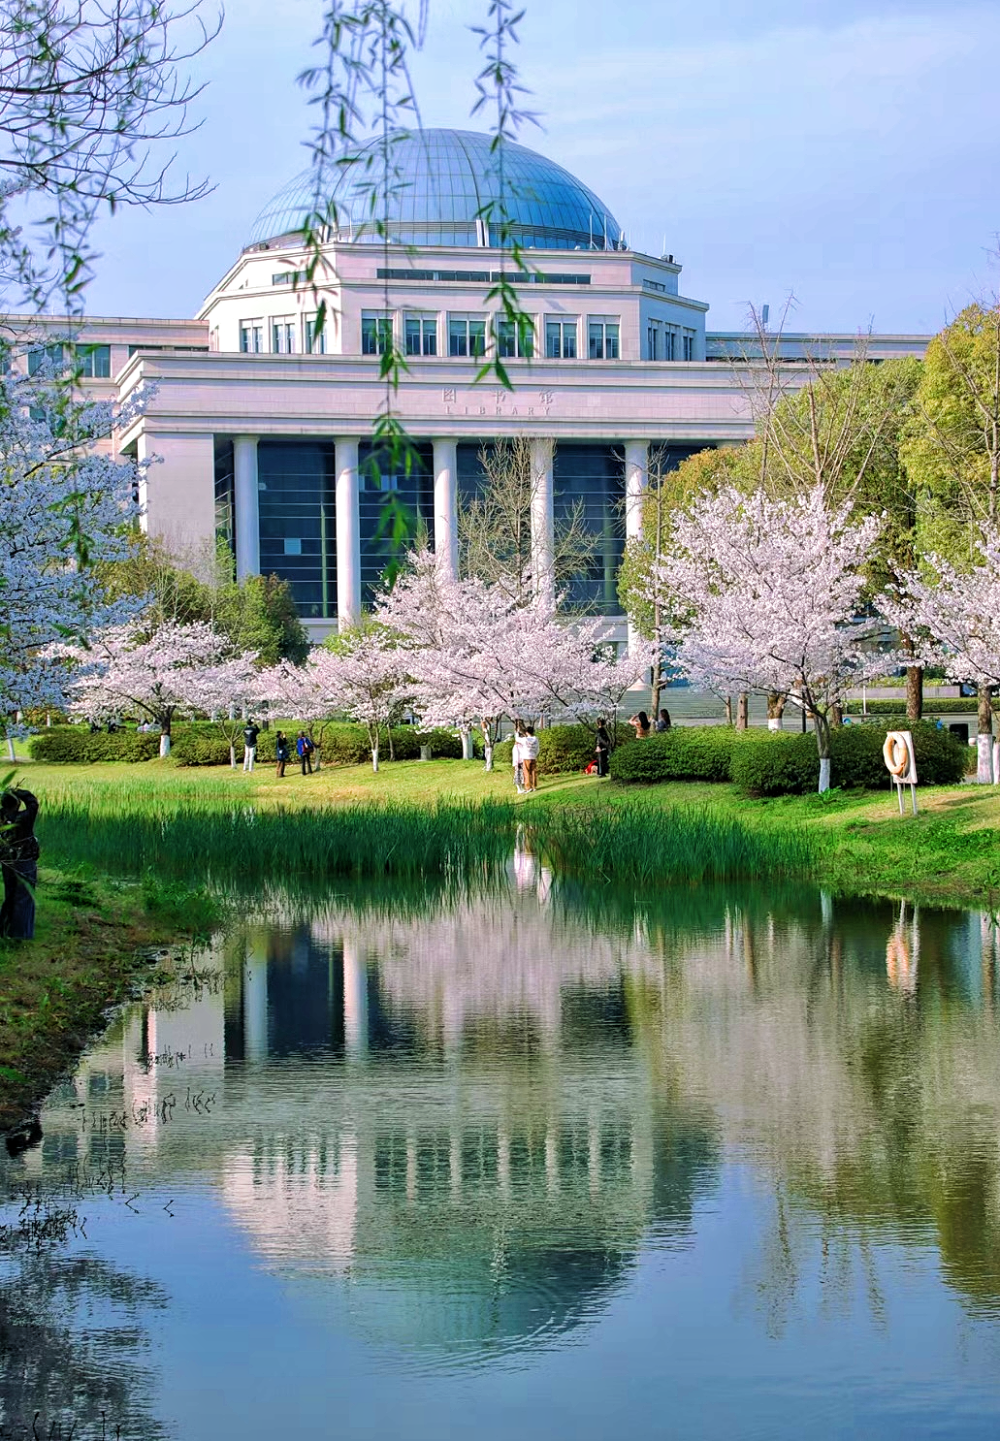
x: 542, y: 518
x: 247, y: 499
x: 446, y: 505
x: 636, y: 476
x: 348, y: 535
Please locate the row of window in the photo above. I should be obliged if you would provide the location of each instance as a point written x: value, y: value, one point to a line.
x: 467, y: 335
x: 287, y: 334
x: 668, y: 342
x: 93, y: 361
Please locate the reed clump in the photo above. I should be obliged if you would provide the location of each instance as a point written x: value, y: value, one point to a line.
x: 204, y: 835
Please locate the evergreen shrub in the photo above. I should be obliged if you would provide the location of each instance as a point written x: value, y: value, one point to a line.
x: 783, y: 764
x: 77, y: 745
x: 685, y: 753
x: 896, y: 706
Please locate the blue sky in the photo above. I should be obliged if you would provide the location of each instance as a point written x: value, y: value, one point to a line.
x: 841, y: 151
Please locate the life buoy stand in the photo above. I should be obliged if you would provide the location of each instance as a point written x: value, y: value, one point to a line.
x: 895, y: 754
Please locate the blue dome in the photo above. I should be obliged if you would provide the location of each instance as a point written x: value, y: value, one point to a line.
x: 442, y: 182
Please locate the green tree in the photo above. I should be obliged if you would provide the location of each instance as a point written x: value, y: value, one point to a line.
x: 952, y: 453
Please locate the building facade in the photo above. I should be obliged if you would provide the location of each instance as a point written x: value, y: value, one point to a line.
x: 259, y: 413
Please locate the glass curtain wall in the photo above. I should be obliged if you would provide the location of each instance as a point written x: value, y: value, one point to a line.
x: 395, y: 504
x: 297, y: 539
x: 589, y: 478
x: 225, y: 509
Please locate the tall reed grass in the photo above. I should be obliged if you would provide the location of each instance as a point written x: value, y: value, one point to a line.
x: 201, y: 834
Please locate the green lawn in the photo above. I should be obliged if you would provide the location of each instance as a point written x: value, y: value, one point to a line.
x: 948, y: 852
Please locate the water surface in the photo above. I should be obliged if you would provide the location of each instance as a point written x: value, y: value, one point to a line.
x: 537, y: 1162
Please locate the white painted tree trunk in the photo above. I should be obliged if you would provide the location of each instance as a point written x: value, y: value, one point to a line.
x: 375, y: 758
x: 467, y: 749
x: 996, y: 763
x: 824, y: 774
x: 164, y: 744
x: 317, y: 759
x: 984, y: 759
x: 232, y: 756
x: 10, y: 748
x: 489, y: 757
x: 425, y: 753
x: 774, y: 723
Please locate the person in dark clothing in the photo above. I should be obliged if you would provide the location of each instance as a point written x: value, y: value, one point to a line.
x: 281, y: 751
x: 603, y: 748
x: 663, y: 722
x: 250, y: 734
x: 304, y: 747
x: 19, y: 862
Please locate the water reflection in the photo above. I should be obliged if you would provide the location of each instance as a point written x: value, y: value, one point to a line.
x: 462, y: 1126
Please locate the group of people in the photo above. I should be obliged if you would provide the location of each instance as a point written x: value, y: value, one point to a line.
x: 304, y: 749
x: 644, y: 727
x: 525, y: 758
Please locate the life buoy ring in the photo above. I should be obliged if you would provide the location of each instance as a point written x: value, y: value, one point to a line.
x: 895, y: 754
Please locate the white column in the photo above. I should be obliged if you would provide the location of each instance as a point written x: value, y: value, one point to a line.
x: 255, y: 1000
x: 247, y: 497
x: 636, y: 476
x: 542, y: 518
x: 348, y: 536
x: 446, y: 505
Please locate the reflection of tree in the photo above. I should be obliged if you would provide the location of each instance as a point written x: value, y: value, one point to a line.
x: 55, y: 1360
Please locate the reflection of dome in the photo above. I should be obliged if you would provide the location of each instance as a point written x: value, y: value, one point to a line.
x: 443, y: 180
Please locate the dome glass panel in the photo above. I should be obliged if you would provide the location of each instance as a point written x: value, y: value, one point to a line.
x: 441, y: 184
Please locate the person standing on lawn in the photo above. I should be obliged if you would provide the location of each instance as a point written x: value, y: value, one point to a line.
x: 19, y: 862
x: 304, y: 749
x: 250, y: 734
x: 602, y: 746
x: 529, y: 750
x: 281, y: 752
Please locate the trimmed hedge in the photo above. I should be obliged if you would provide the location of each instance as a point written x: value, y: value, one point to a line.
x: 949, y: 705
x: 684, y: 753
x: 563, y: 749
x: 783, y: 764
x: 77, y: 745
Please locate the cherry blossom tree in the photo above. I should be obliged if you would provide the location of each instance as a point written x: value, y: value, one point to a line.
x: 957, y: 612
x: 774, y: 588
x: 157, y: 674
x: 365, y: 672
x: 223, y: 692
x: 64, y: 510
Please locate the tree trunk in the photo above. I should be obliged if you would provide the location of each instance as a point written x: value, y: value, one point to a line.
x: 729, y: 710
x: 776, y: 703
x: 914, y: 692
x: 232, y: 757
x: 823, y: 746
x: 375, y: 758
x: 488, y: 752
x: 467, y: 750
x: 837, y: 714
x: 984, y: 741
x: 164, y: 743
x: 10, y: 748
x: 743, y: 711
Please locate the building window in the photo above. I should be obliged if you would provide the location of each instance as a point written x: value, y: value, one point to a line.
x: 376, y: 334
x: 515, y: 341
x: 283, y: 335
x: 49, y: 356
x: 421, y: 335
x: 603, y: 338
x: 689, y: 347
x: 560, y: 339
x: 313, y: 335
x: 653, y: 342
x: 466, y: 335
x: 251, y: 337
x: 95, y: 361
x: 670, y: 345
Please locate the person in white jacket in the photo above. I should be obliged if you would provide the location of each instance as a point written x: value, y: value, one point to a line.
x: 529, y: 759
x: 517, y: 757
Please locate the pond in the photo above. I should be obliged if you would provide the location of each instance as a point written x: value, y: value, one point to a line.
x: 534, y: 1162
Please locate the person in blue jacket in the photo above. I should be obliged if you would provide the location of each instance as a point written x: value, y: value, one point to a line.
x: 304, y: 749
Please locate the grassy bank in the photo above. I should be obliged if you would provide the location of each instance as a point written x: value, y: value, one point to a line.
x: 95, y: 945
x: 857, y: 841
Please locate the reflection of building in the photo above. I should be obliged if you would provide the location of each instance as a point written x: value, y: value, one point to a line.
x: 471, y: 1118
x: 264, y: 422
